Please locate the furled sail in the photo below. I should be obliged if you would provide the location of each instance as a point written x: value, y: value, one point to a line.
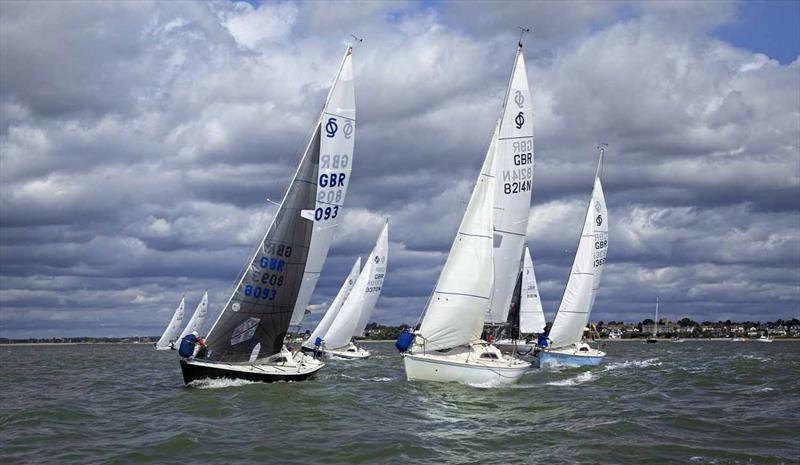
x: 531, y: 317
x: 173, y: 328
x: 513, y: 184
x: 456, y: 310
x: 358, y: 306
x: 198, y: 318
x: 587, y: 268
x: 261, y: 307
x: 337, y: 123
x: 336, y: 306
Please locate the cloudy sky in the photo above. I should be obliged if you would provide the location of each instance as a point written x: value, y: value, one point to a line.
x: 140, y: 143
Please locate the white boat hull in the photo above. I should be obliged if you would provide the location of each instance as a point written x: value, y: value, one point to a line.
x: 520, y: 348
x: 285, y: 366
x: 352, y: 351
x: 572, y: 356
x: 464, y: 365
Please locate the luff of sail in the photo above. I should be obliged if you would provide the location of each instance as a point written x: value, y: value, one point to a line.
x: 338, y: 123
x: 587, y: 268
x: 359, y: 304
x: 173, y: 328
x: 456, y: 310
x: 336, y: 306
x: 198, y: 318
x: 513, y: 184
x: 531, y: 317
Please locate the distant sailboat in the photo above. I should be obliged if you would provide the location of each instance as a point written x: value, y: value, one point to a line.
x: 246, y: 341
x: 310, y: 344
x: 480, y: 272
x: 526, y: 318
x: 170, y: 335
x: 357, y: 307
x: 198, y: 319
x: 565, y: 341
x: 654, y: 338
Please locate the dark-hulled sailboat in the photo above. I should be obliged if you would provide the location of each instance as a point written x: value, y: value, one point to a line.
x: 247, y: 340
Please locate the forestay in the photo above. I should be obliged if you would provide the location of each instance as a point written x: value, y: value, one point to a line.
x: 198, y: 318
x: 337, y: 123
x: 173, y: 328
x: 455, y: 313
x: 336, y: 306
x: 531, y: 313
x: 358, y: 306
x: 513, y: 184
x: 584, y: 279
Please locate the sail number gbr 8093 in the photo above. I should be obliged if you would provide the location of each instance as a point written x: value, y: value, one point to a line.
x: 269, y: 277
x: 518, y: 179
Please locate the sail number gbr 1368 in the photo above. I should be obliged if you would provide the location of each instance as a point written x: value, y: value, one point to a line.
x: 600, y: 248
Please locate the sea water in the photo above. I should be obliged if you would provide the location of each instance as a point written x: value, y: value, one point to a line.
x: 695, y: 403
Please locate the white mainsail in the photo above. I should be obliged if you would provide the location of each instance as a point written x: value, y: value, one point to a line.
x: 513, y: 183
x: 173, y: 328
x: 456, y: 310
x: 587, y: 268
x: 198, y: 318
x: 335, y: 164
x: 358, y: 306
x: 336, y: 306
x: 531, y: 314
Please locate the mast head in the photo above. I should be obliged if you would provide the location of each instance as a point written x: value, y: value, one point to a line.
x: 602, y: 149
x: 522, y: 31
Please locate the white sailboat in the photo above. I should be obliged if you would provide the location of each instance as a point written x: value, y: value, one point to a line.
x: 565, y: 341
x: 314, y: 341
x: 472, y: 285
x: 246, y: 341
x: 530, y: 319
x: 198, y: 319
x: 358, y: 306
x: 170, y: 335
x: 654, y: 338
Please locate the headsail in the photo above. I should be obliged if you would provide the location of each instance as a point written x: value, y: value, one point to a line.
x: 513, y: 184
x: 173, y: 328
x: 455, y: 313
x: 531, y: 318
x: 198, y: 318
x: 336, y: 306
x: 584, y: 279
x: 358, y: 306
x: 337, y: 123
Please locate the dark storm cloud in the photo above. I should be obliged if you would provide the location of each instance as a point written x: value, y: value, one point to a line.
x: 140, y: 143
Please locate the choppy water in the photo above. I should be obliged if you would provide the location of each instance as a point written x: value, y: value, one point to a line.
x: 696, y: 402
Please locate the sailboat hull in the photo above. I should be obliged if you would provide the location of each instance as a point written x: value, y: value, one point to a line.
x: 350, y: 352
x: 194, y: 370
x: 571, y: 357
x: 521, y: 348
x: 465, y: 366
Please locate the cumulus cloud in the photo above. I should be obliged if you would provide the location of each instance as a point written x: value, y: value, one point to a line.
x: 140, y: 143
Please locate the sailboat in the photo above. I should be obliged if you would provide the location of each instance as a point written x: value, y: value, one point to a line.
x: 195, y: 324
x: 482, y: 266
x: 527, y: 316
x: 314, y: 341
x: 170, y: 335
x: 654, y: 338
x: 565, y: 344
x: 357, y: 307
x: 247, y: 339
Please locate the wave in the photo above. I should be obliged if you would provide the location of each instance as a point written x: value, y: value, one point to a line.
x: 584, y: 377
x: 633, y: 364
x: 220, y: 383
